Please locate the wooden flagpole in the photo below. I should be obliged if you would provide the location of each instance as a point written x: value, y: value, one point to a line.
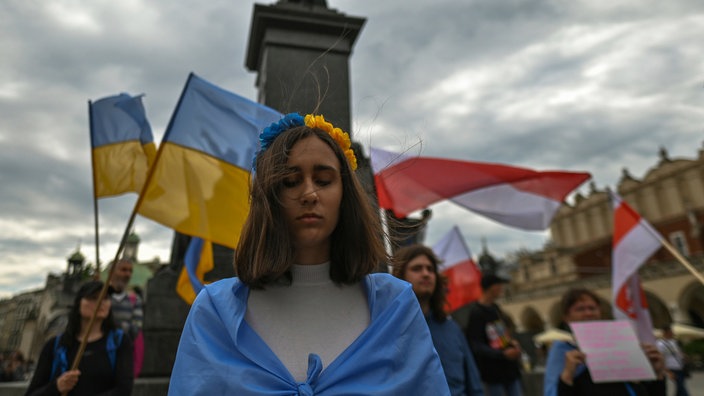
x: 95, y: 193
x: 103, y: 293
x: 130, y: 223
x: 682, y: 260
x: 120, y: 248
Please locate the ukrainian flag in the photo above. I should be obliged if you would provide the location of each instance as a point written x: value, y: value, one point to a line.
x: 122, y: 144
x: 197, y: 262
x: 199, y: 184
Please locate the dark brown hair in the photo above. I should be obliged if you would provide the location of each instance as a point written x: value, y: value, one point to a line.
x: 265, y: 251
x: 570, y: 298
x: 573, y: 295
x: 73, y: 327
x: 400, y: 261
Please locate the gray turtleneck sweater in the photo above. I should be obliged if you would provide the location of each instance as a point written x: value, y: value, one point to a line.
x: 312, y: 315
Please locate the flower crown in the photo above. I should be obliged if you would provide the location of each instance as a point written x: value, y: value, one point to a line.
x: 292, y: 120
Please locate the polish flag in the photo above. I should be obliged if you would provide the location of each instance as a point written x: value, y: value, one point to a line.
x: 463, y: 275
x: 516, y: 197
x: 635, y: 240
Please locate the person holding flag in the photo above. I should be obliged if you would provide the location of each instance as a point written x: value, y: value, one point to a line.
x: 565, y: 371
x: 107, y: 366
x: 305, y: 314
x: 418, y: 265
x: 634, y: 241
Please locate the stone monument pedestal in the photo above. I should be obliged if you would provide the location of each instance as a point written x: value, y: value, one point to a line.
x: 165, y: 314
x: 165, y: 311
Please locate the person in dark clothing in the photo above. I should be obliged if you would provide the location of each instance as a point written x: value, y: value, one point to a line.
x: 497, y: 354
x: 106, y: 366
x: 566, y: 373
x: 418, y: 265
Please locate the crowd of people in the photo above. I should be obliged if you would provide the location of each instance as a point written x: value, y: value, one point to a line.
x: 14, y: 367
x: 310, y: 311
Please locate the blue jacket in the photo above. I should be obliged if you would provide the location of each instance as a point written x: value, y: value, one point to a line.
x: 554, y: 365
x: 220, y: 354
x: 456, y: 358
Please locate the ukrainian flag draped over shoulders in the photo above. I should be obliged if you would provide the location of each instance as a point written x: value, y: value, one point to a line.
x: 199, y: 184
x: 122, y: 144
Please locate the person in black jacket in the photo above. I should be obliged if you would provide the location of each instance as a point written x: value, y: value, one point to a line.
x: 566, y: 373
x: 497, y: 354
x: 106, y: 366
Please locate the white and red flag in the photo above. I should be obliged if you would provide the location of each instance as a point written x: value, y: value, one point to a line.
x: 635, y: 240
x: 513, y: 196
x: 463, y: 275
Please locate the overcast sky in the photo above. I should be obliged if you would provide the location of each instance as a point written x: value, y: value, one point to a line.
x: 583, y: 85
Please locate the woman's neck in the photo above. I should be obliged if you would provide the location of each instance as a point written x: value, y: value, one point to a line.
x: 309, y: 275
x: 312, y: 256
x: 424, y: 305
x: 96, y: 332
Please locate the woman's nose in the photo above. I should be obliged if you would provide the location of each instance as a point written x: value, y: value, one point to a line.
x: 310, y: 193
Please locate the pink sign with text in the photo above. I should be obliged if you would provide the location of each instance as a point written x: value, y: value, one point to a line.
x: 613, y: 351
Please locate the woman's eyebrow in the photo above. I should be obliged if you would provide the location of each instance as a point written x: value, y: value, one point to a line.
x: 324, y: 168
x: 316, y: 168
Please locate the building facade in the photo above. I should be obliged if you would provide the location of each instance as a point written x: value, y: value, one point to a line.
x: 29, y: 319
x: 670, y: 197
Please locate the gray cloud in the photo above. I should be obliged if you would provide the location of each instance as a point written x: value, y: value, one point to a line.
x: 582, y: 85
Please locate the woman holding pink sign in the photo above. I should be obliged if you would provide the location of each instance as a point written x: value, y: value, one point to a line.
x: 566, y: 373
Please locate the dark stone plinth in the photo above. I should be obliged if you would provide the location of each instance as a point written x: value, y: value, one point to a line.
x: 150, y: 387
x: 166, y: 312
x: 301, y: 53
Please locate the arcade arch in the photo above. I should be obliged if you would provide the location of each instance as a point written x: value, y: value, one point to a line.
x: 691, y: 304
x: 531, y: 320
x: 659, y: 313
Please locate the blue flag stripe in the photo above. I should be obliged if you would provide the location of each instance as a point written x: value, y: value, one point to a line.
x: 191, y: 260
x: 219, y: 123
x: 117, y: 119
